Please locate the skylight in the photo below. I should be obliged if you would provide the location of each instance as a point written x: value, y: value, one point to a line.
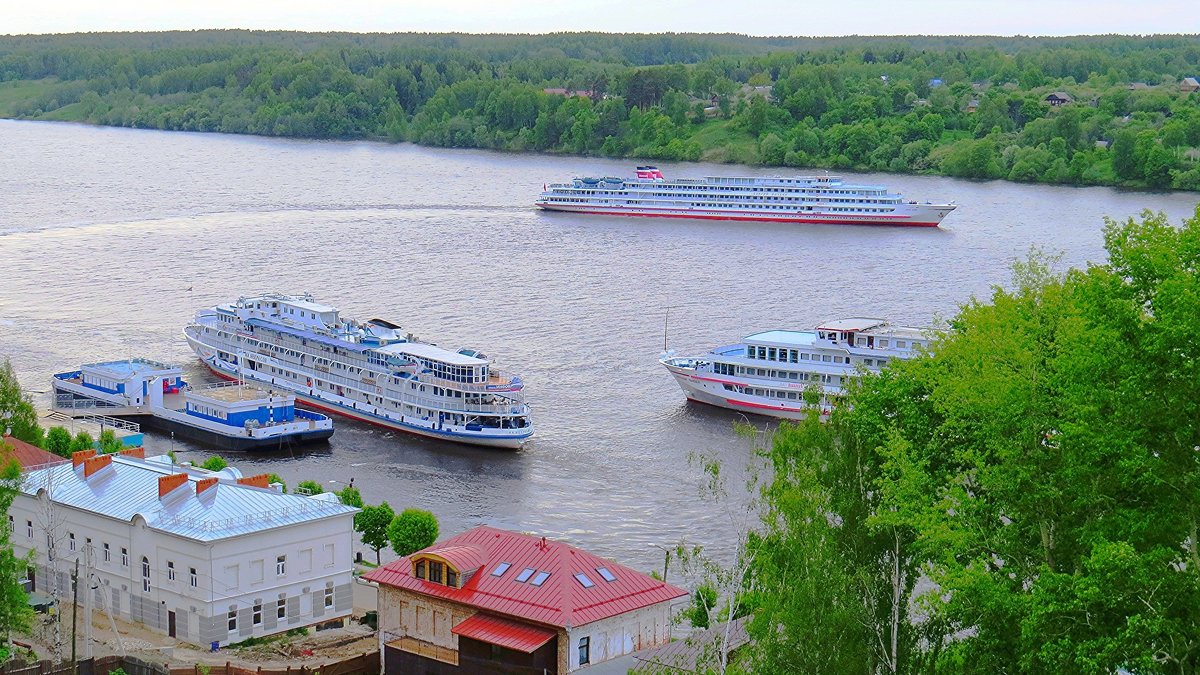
x: 501, y: 569
x: 583, y: 580
x: 608, y: 576
x: 525, y: 574
x: 540, y: 578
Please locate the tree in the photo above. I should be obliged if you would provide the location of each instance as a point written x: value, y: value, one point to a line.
x: 412, y: 530
x: 82, y: 441
x: 350, y: 496
x: 310, y: 487
x: 372, y: 523
x: 109, y: 443
x: 17, y: 414
x: 214, y: 463
x: 275, y: 478
x: 16, y: 616
x: 58, y: 441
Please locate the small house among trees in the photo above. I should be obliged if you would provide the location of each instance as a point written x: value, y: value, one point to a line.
x: 1058, y: 98
x: 1189, y: 84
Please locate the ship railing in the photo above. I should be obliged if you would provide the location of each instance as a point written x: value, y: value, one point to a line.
x: 69, y: 402
x: 101, y: 420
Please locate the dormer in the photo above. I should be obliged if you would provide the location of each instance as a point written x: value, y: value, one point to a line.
x: 451, y: 566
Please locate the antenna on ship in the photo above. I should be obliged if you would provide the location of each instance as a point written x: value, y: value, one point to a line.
x: 666, y: 319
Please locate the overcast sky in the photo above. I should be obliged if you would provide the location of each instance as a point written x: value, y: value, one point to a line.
x: 754, y: 17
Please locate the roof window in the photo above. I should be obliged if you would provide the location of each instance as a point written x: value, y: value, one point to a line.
x: 608, y: 576
x: 583, y: 580
x: 501, y: 569
x: 540, y: 578
x: 525, y: 574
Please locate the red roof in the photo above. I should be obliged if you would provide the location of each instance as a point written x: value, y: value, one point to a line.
x: 29, y: 455
x: 503, y: 632
x: 561, y: 600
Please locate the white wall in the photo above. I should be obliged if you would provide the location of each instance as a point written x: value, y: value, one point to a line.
x: 201, y: 612
x: 620, y: 635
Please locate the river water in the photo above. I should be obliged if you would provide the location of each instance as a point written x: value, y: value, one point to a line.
x: 110, y: 239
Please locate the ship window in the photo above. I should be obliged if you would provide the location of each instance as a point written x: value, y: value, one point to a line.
x: 826, y: 358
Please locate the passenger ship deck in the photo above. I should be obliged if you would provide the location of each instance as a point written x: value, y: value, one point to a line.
x: 792, y: 374
x: 368, y: 371
x: 798, y: 199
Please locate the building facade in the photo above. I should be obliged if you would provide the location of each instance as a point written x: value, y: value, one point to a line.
x: 494, y: 601
x: 205, y: 557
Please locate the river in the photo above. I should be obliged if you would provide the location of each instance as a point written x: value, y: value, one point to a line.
x: 110, y: 239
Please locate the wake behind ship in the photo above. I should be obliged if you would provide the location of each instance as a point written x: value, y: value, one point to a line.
x: 368, y: 371
x: 797, y: 199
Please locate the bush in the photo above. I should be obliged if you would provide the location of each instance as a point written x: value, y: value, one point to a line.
x: 312, y: 487
x: 412, y: 530
x: 58, y: 441
x: 214, y: 463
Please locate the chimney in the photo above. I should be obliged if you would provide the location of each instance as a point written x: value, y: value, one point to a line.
x: 168, y: 483
x: 262, y: 480
x: 138, y: 453
x: 205, y: 483
x: 78, y: 458
x: 93, y: 464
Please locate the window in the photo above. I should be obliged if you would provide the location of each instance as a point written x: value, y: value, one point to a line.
x: 107, y: 553
x: 194, y: 580
x: 451, y: 577
x: 145, y: 574
x: 232, y: 618
x: 281, y: 606
x: 328, y: 594
x: 603, y: 572
x: 525, y: 574
x: 435, y: 571
x: 501, y: 569
x: 540, y: 578
x: 257, y: 619
x: 170, y: 571
x: 124, y: 556
x: 585, y: 644
x: 583, y: 580
x: 281, y: 565
x: 420, y: 569
x: 29, y: 529
x: 71, y: 540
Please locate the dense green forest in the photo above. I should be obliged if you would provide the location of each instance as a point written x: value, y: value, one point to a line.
x: 962, y: 106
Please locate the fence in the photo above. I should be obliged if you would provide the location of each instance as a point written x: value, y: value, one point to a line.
x: 363, y: 664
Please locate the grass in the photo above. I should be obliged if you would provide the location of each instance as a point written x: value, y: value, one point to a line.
x: 722, y: 143
x: 16, y: 92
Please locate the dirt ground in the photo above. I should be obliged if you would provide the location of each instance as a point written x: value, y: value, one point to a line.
x: 134, y: 640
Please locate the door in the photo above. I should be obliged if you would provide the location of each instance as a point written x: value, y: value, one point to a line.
x: 171, y: 624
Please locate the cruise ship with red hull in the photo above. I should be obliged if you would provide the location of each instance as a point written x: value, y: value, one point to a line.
x: 787, y: 199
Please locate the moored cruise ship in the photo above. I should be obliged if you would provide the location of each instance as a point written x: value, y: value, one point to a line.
x: 767, y: 373
x: 795, y: 199
x: 368, y: 371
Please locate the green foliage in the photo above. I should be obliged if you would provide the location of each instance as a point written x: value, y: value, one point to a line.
x: 704, y: 601
x: 58, y: 441
x: 372, y: 523
x: 311, y: 487
x: 109, y: 442
x: 1038, y: 468
x: 17, y: 415
x: 82, y: 441
x: 214, y: 463
x: 827, y: 106
x: 350, y: 496
x: 16, y: 616
x: 275, y: 478
x: 412, y: 530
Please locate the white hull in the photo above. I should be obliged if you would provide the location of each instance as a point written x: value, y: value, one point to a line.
x: 346, y: 407
x: 704, y: 389
x: 917, y: 215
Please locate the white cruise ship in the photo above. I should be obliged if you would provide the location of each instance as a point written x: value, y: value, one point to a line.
x: 767, y: 373
x: 795, y: 199
x: 368, y: 371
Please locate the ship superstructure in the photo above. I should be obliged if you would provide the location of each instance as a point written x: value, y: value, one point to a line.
x: 769, y: 372
x: 369, y: 370
x: 795, y: 199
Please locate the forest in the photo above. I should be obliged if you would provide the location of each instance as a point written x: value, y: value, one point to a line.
x: 1105, y: 110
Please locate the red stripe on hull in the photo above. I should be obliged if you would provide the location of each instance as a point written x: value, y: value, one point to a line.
x: 337, y: 411
x: 764, y: 406
x: 890, y: 223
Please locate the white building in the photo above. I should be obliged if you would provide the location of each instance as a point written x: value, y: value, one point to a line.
x: 201, y: 556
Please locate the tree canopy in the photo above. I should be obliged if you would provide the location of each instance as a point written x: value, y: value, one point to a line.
x: 412, y: 530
